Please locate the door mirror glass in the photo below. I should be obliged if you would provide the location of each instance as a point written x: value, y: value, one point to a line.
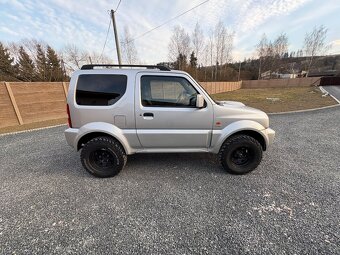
x: 199, y: 101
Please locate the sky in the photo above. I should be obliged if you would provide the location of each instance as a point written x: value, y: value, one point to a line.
x: 84, y: 23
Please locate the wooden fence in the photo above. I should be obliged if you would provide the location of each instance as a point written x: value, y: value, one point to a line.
x: 279, y: 83
x: 220, y: 87
x: 26, y: 102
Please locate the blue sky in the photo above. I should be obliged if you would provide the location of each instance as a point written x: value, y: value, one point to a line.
x: 85, y: 22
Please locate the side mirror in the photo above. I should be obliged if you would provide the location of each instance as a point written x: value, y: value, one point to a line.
x: 199, y: 101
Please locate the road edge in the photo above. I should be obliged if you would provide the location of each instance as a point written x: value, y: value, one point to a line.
x: 326, y: 92
x: 31, y: 130
x: 307, y: 110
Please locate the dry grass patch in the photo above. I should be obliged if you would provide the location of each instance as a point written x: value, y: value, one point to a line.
x: 33, y: 125
x: 279, y: 99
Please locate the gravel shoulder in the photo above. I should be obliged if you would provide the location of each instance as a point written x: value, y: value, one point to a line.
x: 175, y: 203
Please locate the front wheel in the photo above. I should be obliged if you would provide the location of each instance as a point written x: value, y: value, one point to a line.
x: 240, y: 154
x: 103, y: 157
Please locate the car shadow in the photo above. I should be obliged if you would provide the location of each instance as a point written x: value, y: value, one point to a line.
x: 196, y: 162
x: 68, y: 163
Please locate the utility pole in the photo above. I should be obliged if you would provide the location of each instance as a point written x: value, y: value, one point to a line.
x: 239, y: 71
x: 116, y: 36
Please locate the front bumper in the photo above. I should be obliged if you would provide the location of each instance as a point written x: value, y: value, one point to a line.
x: 269, y: 134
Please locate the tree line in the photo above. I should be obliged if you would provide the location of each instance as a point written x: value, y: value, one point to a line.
x: 204, y: 57
x: 30, y: 61
x: 207, y: 56
x: 272, y: 54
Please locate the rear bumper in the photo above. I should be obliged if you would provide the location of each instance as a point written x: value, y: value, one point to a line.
x: 71, y: 135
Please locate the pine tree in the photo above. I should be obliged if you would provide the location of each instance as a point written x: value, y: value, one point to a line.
x: 26, y: 66
x: 193, y: 60
x: 181, y: 62
x: 7, y: 69
x: 54, y: 70
x: 41, y: 63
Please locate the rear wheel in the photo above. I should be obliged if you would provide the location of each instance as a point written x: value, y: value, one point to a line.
x: 103, y: 157
x: 240, y: 154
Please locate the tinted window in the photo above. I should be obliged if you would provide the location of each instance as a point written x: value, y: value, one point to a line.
x: 167, y: 91
x: 100, y: 89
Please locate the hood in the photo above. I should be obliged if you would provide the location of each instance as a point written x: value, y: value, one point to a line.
x: 230, y: 103
x: 228, y: 112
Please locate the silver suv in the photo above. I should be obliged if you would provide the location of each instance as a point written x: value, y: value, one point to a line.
x: 115, y: 111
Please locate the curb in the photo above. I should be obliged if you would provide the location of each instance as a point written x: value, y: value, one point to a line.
x: 308, y: 110
x: 31, y: 130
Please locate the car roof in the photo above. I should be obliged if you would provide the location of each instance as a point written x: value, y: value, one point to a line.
x: 126, y: 71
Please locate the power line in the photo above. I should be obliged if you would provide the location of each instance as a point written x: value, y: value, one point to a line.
x: 118, y: 5
x: 166, y: 22
x: 107, y: 34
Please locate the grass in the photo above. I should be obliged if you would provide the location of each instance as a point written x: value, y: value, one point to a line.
x: 278, y: 99
x: 32, y: 125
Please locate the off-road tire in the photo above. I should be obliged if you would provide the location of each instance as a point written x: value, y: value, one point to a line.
x: 229, y: 155
x: 103, y: 157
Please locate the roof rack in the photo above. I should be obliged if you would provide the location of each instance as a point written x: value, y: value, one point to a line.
x: 160, y: 67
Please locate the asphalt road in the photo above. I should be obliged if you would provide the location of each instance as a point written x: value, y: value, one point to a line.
x: 333, y: 90
x: 175, y: 203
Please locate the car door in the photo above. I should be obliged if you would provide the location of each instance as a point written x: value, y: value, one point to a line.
x: 166, y: 113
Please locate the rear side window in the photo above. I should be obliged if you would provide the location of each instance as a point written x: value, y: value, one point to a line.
x: 100, y: 89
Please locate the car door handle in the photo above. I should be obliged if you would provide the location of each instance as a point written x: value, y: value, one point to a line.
x: 148, y: 114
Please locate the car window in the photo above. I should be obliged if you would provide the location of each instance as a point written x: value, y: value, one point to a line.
x: 100, y: 89
x: 167, y: 91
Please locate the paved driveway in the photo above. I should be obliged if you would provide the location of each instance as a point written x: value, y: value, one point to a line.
x: 175, y: 203
x: 333, y: 90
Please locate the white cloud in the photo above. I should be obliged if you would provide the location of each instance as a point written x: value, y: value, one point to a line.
x: 8, y: 31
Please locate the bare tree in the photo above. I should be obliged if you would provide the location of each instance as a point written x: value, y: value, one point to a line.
x: 223, y: 39
x: 179, y: 44
x: 280, y: 45
x: 97, y: 58
x: 277, y: 50
x: 228, y: 42
x: 211, y: 45
x: 198, y: 41
x: 271, y: 53
x: 206, y: 59
x: 262, y: 51
x: 130, y: 53
x: 74, y: 57
x: 314, y: 44
x: 219, y: 35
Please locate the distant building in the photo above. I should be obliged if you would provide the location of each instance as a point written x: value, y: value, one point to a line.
x: 324, y: 73
x: 277, y: 75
